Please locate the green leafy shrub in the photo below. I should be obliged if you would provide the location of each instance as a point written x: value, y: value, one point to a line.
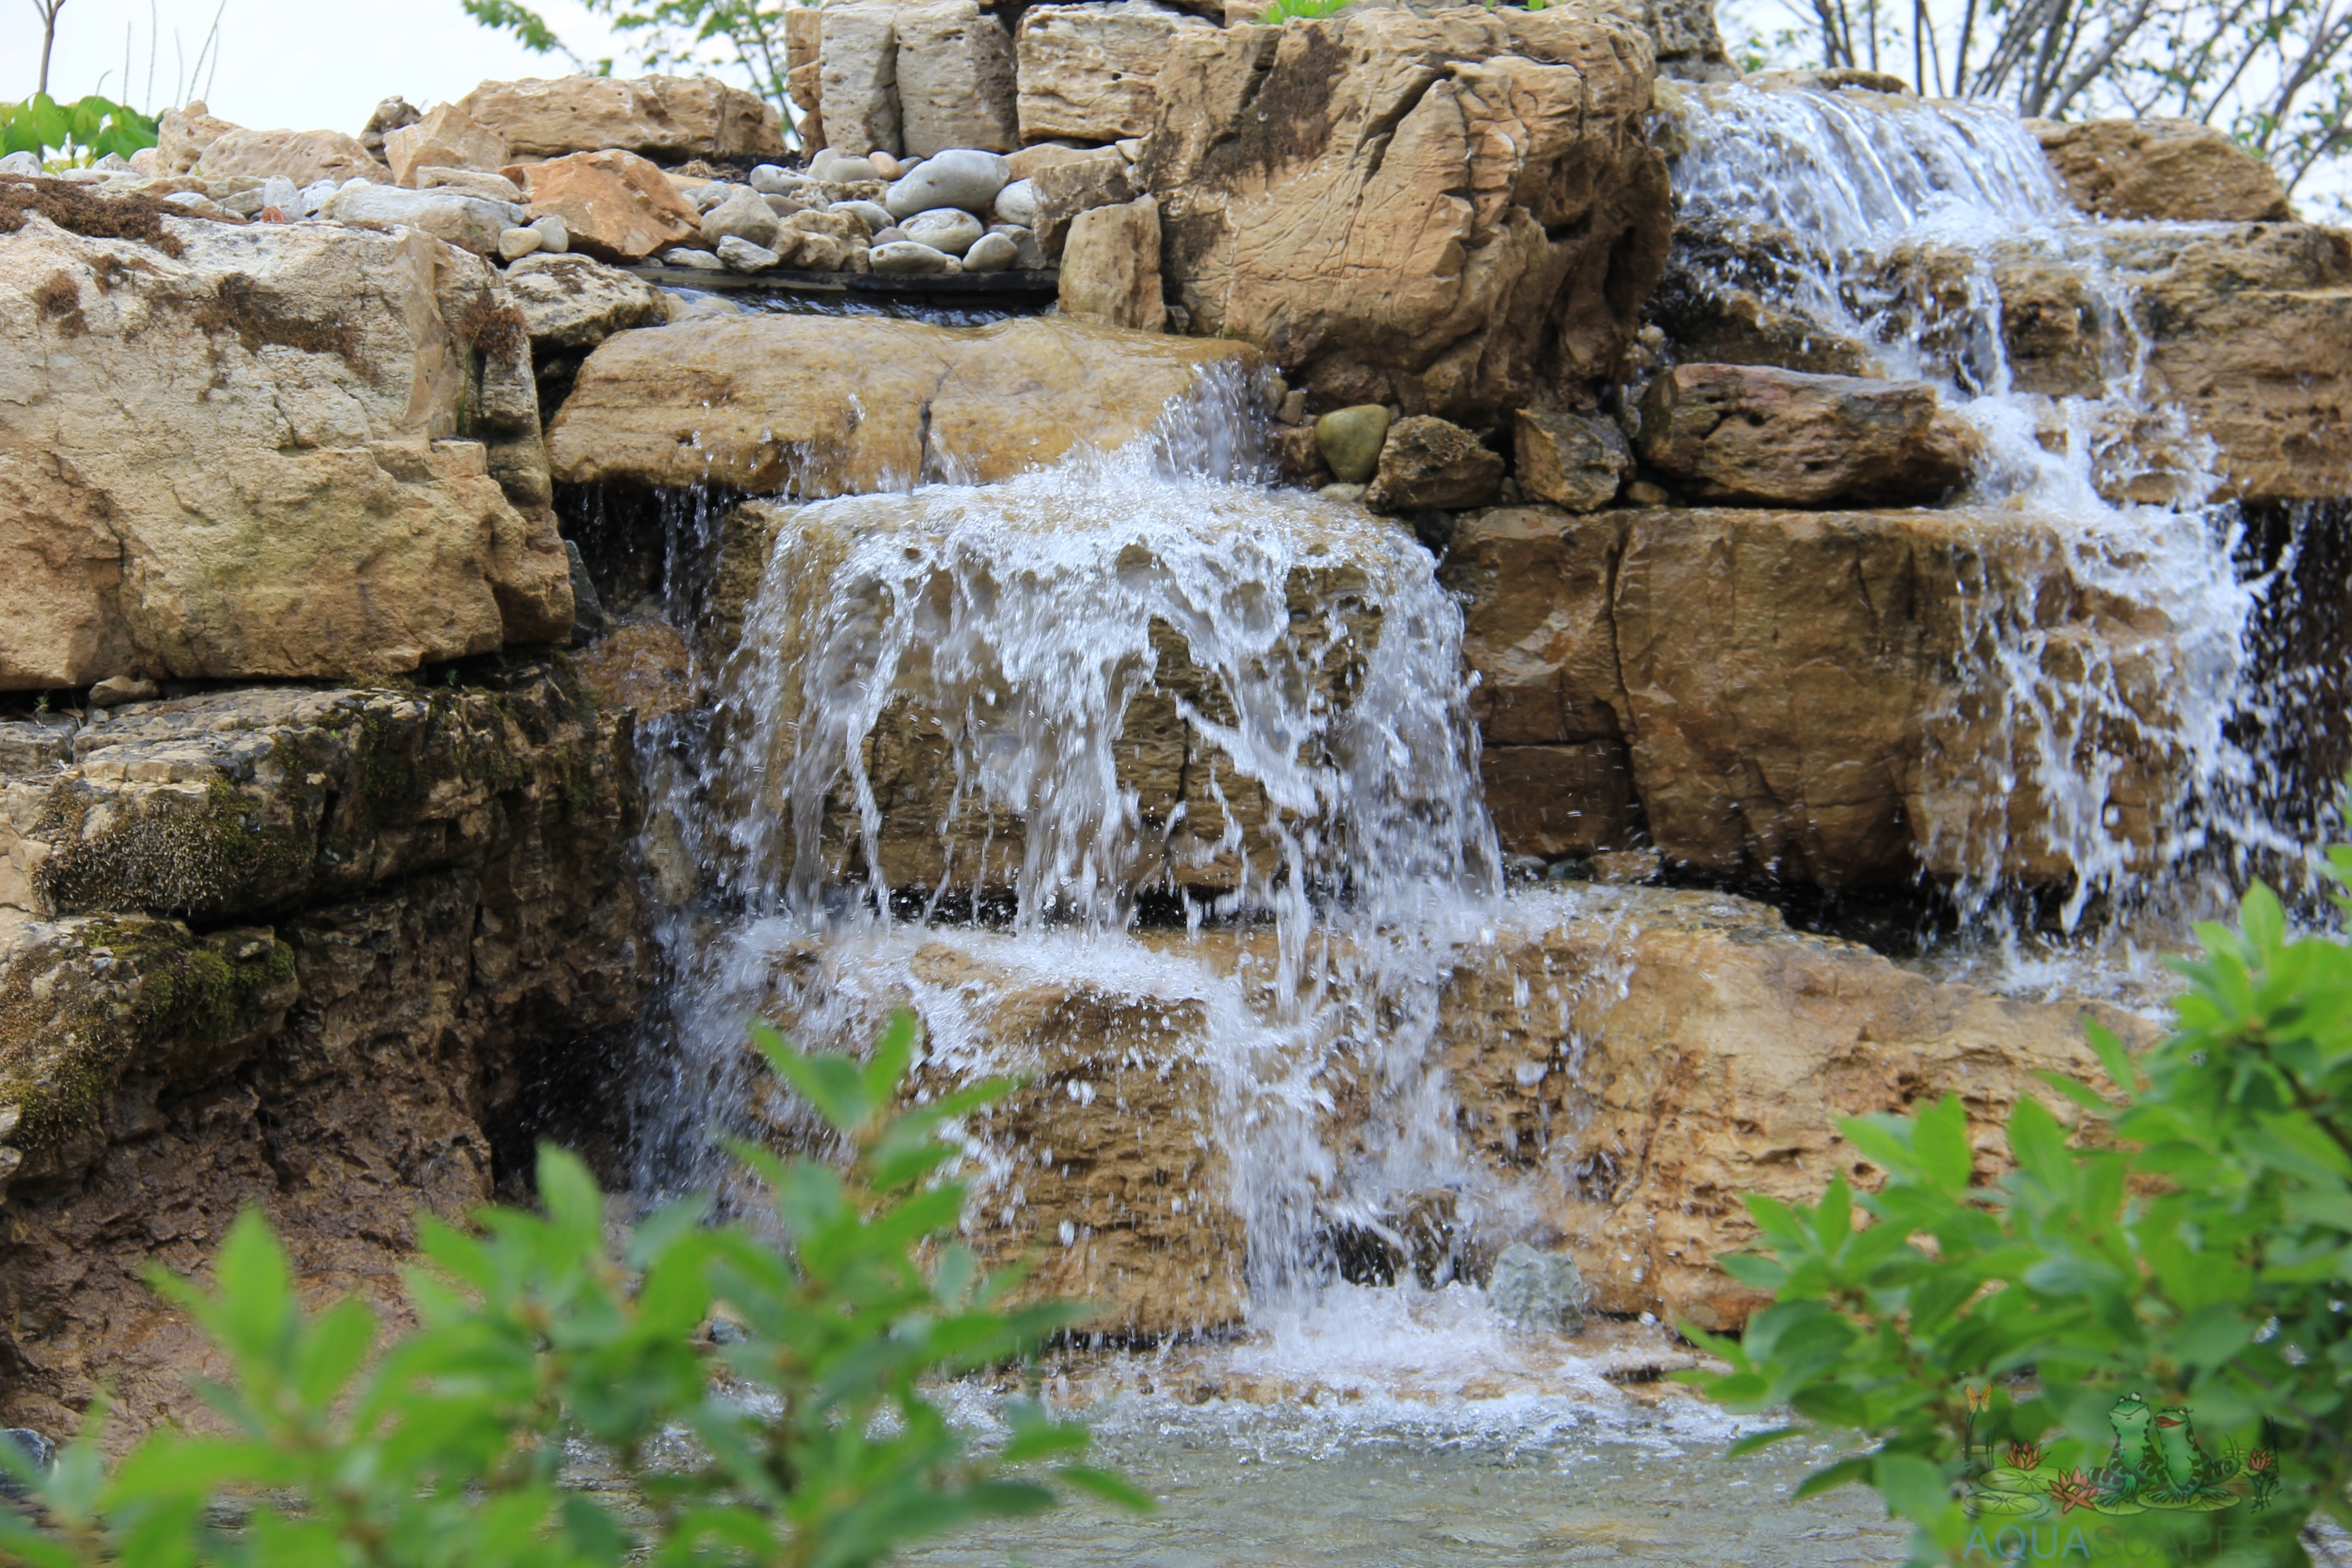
x: 797, y: 1435
x: 90, y: 127
x: 2142, y: 1326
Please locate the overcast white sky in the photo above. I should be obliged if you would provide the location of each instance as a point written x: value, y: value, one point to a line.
x: 297, y: 64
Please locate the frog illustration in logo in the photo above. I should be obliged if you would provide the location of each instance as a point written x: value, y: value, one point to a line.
x: 2155, y: 1463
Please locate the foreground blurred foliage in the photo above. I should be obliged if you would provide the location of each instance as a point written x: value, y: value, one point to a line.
x: 87, y: 129
x: 2142, y: 1327
x: 801, y: 1436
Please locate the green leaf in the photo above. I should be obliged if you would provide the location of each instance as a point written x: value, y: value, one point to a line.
x: 1829, y: 1477
x: 1754, y: 1441
x: 1941, y: 1141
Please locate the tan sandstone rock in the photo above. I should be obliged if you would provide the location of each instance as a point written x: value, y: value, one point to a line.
x: 1781, y: 437
x: 2169, y: 169
x: 857, y: 72
x: 446, y: 138
x: 1574, y: 460
x: 1374, y: 199
x: 1111, y: 268
x: 247, y: 459
x: 616, y: 206
x: 302, y: 156
x: 828, y: 405
x: 955, y: 79
x: 1426, y: 462
x: 667, y: 118
x: 1794, y: 691
x: 575, y: 303
x: 1625, y: 1063
x: 1086, y: 72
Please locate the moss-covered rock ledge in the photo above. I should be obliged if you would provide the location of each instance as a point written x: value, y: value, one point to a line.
x: 304, y: 949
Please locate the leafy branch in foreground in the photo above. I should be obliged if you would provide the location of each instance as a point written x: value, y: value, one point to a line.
x: 798, y: 1436
x: 88, y: 127
x: 2142, y: 1327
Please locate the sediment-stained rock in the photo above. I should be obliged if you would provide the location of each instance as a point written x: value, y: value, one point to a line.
x: 1799, y: 694
x: 1374, y: 199
x: 816, y: 406
x: 274, y: 450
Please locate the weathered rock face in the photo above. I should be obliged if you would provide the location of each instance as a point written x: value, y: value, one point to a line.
x: 188, y: 139
x: 339, y: 1065
x: 1426, y: 462
x: 1574, y: 460
x: 277, y: 452
x: 955, y: 79
x: 2175, y: 170
x: 671, y: 118
x: 2248, y: 331
x: 1372, y: 198
x: 1087, y: 72
x: 447, y: 138
x: 1626, y: 1064
x: 575, y: 303
x: 616, y: 206
x: 1780, y: 437
x: 1723, y: 1066
x: 817, y: 406
x: 1111, y: 268
x: 1790, y: 693
x: 857, y: 72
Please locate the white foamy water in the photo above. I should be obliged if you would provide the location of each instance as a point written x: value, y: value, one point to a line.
x: 1881, y: 219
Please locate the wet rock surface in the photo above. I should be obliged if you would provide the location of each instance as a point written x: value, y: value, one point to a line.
x: 330, y: 1047
x: 1626, y: 1062
x: 1777, y: 682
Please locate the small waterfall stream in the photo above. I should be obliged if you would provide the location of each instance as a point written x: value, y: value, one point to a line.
x: 1142, y: 735
x: 1884, y: 220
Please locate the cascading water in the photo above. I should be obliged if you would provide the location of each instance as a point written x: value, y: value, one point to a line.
x: 1883, y: 222
x: 1101, y: 703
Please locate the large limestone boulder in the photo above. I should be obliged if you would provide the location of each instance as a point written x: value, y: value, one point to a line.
x: 2177, y: 170
x: 1641, y: 1109
x: 669, y: 118
x: 445, y: 138
x: 1443, y: 211
x: 364, y: 1050
x: 1087, y: 72
x: 276, y: 450
x: 1623, y: 1064
x: 1798, y: 695
x: 817, y: 406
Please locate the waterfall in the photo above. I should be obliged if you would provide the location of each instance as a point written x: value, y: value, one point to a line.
x: 1094, y: 709
x: 1883, y: 221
